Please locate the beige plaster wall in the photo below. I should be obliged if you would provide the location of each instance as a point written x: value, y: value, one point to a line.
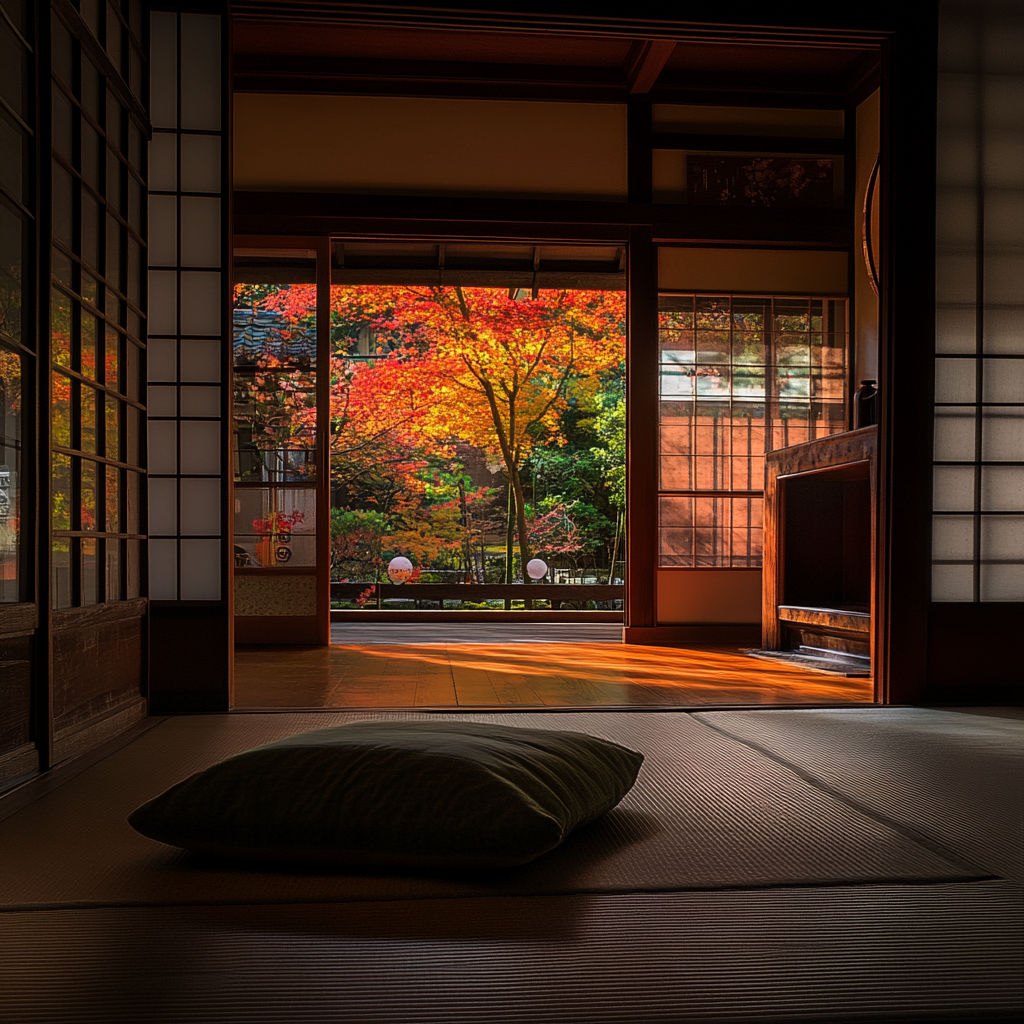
x: 426, y: 146
x: 752, y: 270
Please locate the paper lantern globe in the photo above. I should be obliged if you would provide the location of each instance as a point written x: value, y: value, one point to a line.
x: 536, y: 568
x: 399, y: 569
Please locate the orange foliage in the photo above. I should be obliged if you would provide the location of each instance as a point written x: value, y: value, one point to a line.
x: 448, y: 364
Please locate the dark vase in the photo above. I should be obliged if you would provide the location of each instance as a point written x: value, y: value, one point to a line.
x: 865, y: 405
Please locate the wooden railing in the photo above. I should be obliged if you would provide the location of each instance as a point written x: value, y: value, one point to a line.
x: 435, y: 593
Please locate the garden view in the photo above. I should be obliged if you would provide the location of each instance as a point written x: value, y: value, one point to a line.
x: 471, y: 431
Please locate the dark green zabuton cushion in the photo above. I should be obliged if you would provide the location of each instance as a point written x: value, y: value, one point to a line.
x: 396, y: 794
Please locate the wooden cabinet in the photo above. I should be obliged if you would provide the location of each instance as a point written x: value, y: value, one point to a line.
x: 819, y: 545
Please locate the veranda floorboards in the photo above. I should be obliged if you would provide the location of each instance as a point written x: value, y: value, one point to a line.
x: 521, y: 674
x: 405, y: 676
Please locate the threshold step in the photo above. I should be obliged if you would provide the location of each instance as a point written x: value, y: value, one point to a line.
x: 831, y: 663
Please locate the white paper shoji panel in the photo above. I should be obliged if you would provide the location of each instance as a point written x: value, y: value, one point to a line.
x: 978, y: 496
x: 186, y: 287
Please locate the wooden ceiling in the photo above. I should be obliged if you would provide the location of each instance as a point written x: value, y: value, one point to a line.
x: 329, y: 47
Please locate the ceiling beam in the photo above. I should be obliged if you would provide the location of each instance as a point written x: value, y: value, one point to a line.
x: 644, y: 62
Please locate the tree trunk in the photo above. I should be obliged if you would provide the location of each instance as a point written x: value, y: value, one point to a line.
x: 509, y: 529
x: 615, y: 544
x: 467, y: 551
x: 524, y: 536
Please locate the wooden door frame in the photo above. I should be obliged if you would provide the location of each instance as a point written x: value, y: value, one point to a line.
x: 908, y: 48
x: 320, y: 633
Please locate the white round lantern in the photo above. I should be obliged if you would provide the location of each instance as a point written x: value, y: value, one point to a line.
x: 399, y: 569
x: 536, y: 569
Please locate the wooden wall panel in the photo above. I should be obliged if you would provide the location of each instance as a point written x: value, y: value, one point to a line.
x: 191, y: 653
x: 98, y: 658
x: 15, y: 693
x: 974, y: 654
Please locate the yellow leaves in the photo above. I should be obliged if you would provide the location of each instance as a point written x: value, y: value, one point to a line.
x: 509, y: 366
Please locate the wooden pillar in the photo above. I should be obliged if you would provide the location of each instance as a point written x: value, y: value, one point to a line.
x: 905, y: 362
x: 642, y: 433
x: 323, y: 439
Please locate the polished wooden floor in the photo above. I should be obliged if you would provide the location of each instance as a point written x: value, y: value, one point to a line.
x: 530, y: 668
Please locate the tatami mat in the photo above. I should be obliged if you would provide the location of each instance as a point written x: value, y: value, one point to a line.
x: 879, y: 953
x: 954, y: 778
x: 708, y: 812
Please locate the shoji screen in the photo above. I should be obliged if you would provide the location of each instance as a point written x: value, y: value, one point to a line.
x: 96, y: 304
x: 186, y: 317
x: 978, y: 525
x: 17, y: 256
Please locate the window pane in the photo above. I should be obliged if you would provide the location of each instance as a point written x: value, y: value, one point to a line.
x: 87, y: 413
x: 90, y: 571
x: 1004, y: 380
x: 12, y: 586
x: 91, y: 148
x: 90, y: 250
x: 14, y: 65
x: 200, y: 447
x: 163, y: 162
x: 61, y: 572
x: 60, y: 413
x: 952, y: 583
x: 276, y: 527
x: 88, y: 508
x: 1002, y: 488
x: 90, y: 88
x: 200, y: 507
x: 12, y: 233
x: 954, y: 434
x: 60, y: 494
x: 955, y: 380
x: 1002, y: 434
x: 200, y: 163
x: 200, y: 570
x: 62, y: 125
x: 714, y: 384
x: 131, y: 502
x: 111, y: 349
x: 113, y: 37
x: 201, y: 87
x: 953, y: 489
x: 953, y: 538
x: 13, y: 153
x: 112, y: 499
x: 61, y: 51
x: 133, y: 570
x: 112, y: 427
x: 113, y: 569
x: 87, y: 349
x: 62, y: 206
x: 275, y: 409
x: 112, y: 267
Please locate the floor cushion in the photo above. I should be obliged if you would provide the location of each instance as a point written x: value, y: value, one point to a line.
x: 396, y: 794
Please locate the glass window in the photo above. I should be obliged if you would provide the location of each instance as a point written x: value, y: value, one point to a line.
x: 740, y: 376
x: 275, y: 381
x: 12, y: 581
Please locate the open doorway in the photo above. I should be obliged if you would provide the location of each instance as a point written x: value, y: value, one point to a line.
x: 438, y: 431
x: 477, y: 431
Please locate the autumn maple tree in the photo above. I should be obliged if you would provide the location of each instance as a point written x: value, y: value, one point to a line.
x: 419, y: 372
x: 503, y: 369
